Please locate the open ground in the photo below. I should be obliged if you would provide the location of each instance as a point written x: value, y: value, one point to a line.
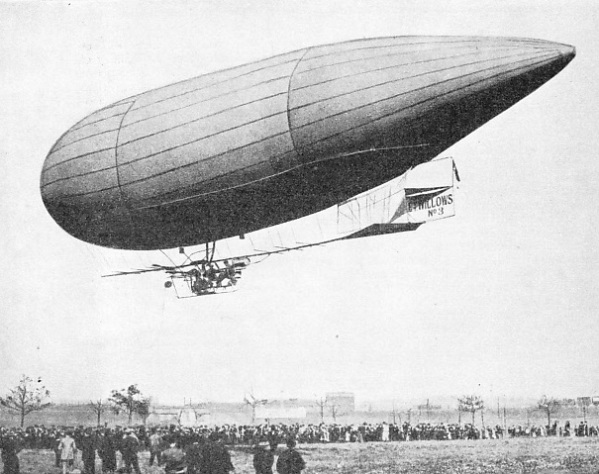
x: 520, y: 455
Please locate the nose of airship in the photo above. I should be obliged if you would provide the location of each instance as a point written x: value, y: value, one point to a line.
x: 413, y: 91
x: 561, y: 54
x: 566, y: 51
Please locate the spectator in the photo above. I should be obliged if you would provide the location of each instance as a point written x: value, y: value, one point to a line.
x: 68, y: 450
x: 129, y: 449
x: 155, y: 447
x: 194, y: 458
x: 107, y: 451
x: 215, y: 458
x: 290, y: 461
x: 10, y: 447
x: 88, y: 444
x: 172, y: 457
x: 263, y: 459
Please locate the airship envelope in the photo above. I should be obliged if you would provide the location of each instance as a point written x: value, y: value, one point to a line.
x: 257, y: 145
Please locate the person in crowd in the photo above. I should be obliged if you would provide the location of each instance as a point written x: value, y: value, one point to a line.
x: 215, y: 459
x: 107, y: 451
x: 56, y: 447
x: 193, y: 458
x: 264, y: 459
x: 10, y: 446
x: 68, y: 451
x: 88, y: 444
x: 290, y: 461
x: 173, y: 457
x: 156, y: 443
x: 129, y: 448
x: 385, y: 432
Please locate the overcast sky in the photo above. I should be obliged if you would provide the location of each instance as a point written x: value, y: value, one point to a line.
x: 500, y: 300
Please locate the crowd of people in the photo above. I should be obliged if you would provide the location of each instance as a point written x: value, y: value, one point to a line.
x: 202, y: 448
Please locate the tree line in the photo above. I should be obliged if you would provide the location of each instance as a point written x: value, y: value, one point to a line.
x: 31, y: 395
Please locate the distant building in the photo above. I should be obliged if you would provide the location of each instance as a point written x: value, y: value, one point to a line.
x: 344, y: 402
x: 163, y: 416
x: 584, y: 401
x: 186, y: 416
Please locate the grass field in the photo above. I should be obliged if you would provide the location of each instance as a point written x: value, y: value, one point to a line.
x: 523, y: 455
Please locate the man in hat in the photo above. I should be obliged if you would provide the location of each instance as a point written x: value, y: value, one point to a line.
x: 56, y: 446
x: 173, y: 458
x: 193, y: 458
x: 156, y: 443
x: 215, y: 459
x: 290, y: 461
x: 107, y: 451
x: 263, y: 459
x: 88, y: 445
x: 129, y: 449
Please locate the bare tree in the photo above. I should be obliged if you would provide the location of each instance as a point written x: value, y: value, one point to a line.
x: 549, y: 406
x: 471, y: 404
x: 131, y: 401
x: 29, y: 396
x: 335, y: 411
x: 252, y: 401
x: 98, y: 408
x: 394, y: 414
x: 321, y: 404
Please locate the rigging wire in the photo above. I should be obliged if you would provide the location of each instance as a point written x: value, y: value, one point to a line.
x: 213, y: 249
x: 169, y: 258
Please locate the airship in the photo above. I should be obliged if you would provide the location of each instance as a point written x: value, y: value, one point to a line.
x: 231, y: 152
